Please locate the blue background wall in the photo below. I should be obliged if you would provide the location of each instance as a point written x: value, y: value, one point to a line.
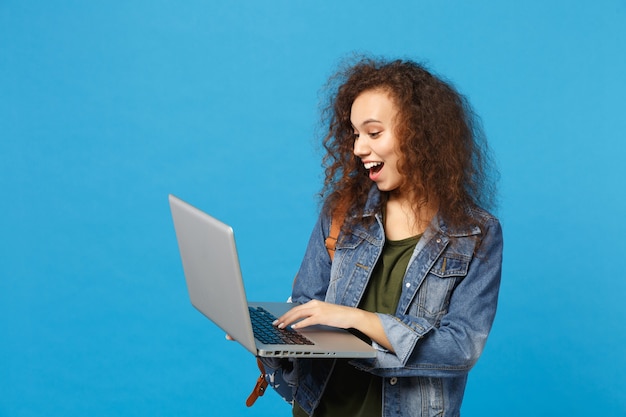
x: 106, y: 107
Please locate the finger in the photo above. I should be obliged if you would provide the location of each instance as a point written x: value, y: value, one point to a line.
x: 286, y: 320
x: 291, y: 316
x: 309, y: 321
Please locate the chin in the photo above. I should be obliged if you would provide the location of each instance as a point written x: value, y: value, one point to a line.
x: 385, y: 188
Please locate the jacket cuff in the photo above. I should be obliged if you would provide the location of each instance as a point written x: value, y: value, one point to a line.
x: 403, y: 336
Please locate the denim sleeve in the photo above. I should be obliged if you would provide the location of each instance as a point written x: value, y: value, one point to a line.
x: 314, y: 275
x: 453, y: 347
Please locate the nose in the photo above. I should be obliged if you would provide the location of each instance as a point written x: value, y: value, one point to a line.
x: 361, y: 146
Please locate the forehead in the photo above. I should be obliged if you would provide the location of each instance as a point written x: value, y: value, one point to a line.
x: 377, y: 105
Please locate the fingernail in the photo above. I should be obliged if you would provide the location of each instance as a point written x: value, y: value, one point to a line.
x: 275, y: 322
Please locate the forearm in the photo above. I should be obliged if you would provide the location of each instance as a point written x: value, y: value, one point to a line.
x: 370, y: 325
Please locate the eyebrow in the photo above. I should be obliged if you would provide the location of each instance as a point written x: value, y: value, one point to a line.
x: 367, y: 121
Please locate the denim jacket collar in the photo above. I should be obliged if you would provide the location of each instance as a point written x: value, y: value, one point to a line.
x: 438, y: 223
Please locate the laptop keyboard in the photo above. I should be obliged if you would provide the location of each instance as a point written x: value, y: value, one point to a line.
x: 269, y: 334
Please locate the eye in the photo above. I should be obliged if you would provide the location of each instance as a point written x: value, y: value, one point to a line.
x: 355, y: 135
x: 374, y: 135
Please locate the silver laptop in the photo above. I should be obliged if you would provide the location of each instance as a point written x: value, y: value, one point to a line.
x: 215, y: 285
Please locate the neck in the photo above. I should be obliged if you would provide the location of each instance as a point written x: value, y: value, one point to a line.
x: 407, y: 217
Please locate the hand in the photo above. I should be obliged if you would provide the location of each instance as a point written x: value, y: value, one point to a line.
x: 320, y: 312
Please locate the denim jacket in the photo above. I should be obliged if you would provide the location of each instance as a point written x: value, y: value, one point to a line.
x: 445, y: 311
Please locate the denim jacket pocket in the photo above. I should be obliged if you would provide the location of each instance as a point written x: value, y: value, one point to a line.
x: 434, y: 294
x: 349, y: 241
x: 352, y: 265
x: 451, y: 266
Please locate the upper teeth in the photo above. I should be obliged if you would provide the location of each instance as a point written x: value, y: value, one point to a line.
x: 369, y: 165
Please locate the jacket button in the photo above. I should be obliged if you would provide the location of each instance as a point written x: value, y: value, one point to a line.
x: 438, y: 240
x: 393, y: 381
x: 408, y: 284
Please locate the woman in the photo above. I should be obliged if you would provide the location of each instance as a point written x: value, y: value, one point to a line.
x: 418, y: 261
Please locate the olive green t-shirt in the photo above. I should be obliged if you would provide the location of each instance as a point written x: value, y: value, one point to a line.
x: 351, y: 392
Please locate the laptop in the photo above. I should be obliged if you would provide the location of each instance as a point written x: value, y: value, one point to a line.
x: 215, y: 285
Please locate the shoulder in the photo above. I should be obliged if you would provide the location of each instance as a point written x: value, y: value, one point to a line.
x: 482, y: 218
x: 480, y: 224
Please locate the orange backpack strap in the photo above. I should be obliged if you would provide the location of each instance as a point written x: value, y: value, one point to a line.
x: 331, y: 240
x: 335, y: 228
x: 259, y: 388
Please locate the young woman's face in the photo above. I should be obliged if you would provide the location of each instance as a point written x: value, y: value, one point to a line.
x: 372, y: 116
